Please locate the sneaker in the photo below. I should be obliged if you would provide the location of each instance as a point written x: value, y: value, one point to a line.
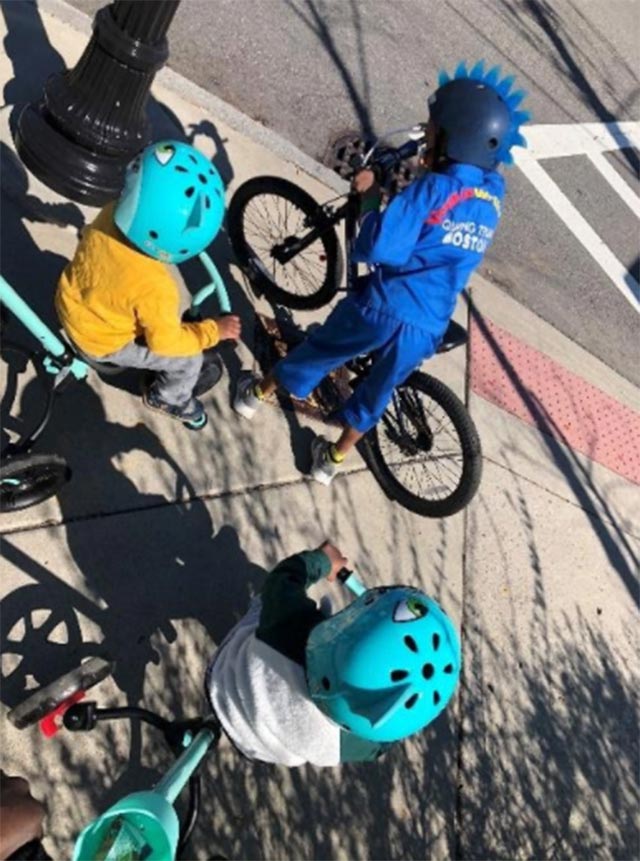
x: 246, y: 402
x: 192, y: 415
x: 323, y: 468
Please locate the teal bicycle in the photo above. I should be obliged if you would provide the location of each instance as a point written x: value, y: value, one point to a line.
x: 143, y: 825
x: 28, y: 478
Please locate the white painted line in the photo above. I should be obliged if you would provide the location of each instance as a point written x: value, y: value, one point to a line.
x: 580, y: 228
x: 616, y: 182
x: 562, y: 140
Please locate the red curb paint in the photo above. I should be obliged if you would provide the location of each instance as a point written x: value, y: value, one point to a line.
x: 528, y: 384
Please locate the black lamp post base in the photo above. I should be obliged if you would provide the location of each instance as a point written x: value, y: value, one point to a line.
x: 72, y: 170
x: 92, y: 120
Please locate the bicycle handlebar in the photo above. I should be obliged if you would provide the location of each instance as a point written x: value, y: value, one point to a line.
x: 388, y: 158
x: 216, y: 285
x: 352, y: 582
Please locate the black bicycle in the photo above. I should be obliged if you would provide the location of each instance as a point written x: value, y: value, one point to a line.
x: 425, y: 452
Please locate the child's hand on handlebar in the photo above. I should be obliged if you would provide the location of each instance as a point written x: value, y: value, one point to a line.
x: 338, y: 561
x: 364, y: 181
x: 229, y: 327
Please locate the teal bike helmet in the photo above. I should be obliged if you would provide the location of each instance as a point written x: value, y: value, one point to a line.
x: 385, y: 666
x: 172, y: 204
x: 478, y: 116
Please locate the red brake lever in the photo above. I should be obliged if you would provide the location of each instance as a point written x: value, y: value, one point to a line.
x: 51, y: 724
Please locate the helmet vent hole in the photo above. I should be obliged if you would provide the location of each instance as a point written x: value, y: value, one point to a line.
x: 211, y: 171
x: 181, y: 169
x: 410, y: 643
x: 202, y: 178
x: 398, y: 675
x: 207, y: 202
x: 153, y: 234
x: 410, y: 703
x: 436, y: 698
x: 326, y: 684
x: 370, y: 598
x: 436, y: 642
x: 493, y: 143
x: 193, y: 158
x: 448, y: 668
x: 427, y: 671
x: 189, y: 191
x: 184, y: 251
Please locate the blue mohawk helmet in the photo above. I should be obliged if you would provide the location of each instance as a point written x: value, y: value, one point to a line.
x: 478, y: 115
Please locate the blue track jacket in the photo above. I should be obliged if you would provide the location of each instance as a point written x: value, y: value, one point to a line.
x: 427, y: 242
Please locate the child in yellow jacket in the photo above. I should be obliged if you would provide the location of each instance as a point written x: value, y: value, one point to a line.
x: 117, y: 299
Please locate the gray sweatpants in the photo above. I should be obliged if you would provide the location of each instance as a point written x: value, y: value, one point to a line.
x: 175, y: 377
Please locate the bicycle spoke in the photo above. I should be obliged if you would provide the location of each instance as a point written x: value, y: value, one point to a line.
x: 270, y: 220
x: 411, y: 422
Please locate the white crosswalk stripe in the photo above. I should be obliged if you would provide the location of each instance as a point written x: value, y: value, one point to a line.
x: 592, y: 140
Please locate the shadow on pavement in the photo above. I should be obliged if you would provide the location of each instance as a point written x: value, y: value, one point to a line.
x: 549, y: 740
x: 614, y: 541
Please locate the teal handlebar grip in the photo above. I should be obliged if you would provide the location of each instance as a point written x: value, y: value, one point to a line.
x: 349, y: 579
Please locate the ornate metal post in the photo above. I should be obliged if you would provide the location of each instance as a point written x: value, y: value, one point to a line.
x: 92, y: 119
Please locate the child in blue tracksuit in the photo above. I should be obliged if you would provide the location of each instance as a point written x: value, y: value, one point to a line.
x: 421, y: 251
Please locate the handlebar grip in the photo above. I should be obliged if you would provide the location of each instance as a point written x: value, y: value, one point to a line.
x: 349, y: 579
x: 390, y: 158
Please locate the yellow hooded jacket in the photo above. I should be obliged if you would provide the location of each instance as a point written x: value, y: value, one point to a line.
x: 111, y: 293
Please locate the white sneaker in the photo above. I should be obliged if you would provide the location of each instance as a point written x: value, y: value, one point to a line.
x: 323, y: 468
x: 246, y: 402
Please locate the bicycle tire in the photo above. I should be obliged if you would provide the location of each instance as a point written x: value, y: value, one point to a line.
x: 29, y: 479
x: 47, y: 699
x: 470, y: 448
x: 261, y: 280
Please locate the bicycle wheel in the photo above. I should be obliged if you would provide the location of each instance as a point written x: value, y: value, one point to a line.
x: 30, y: 479
x: 268, y: 215
x: 425, y: 451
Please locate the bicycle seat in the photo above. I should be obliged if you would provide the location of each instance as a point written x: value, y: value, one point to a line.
x: 455, y: 336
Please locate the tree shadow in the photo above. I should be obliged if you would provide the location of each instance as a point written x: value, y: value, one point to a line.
x: 613, y: 539
x: 549, y: 737
x: 315, y: 19
x: 554, y: 38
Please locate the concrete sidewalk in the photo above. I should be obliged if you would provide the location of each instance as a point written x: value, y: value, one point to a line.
x: 155, y: 547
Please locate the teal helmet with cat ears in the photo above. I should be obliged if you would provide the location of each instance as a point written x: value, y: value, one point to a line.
x: 172, y: 204
x: 385, y: 666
